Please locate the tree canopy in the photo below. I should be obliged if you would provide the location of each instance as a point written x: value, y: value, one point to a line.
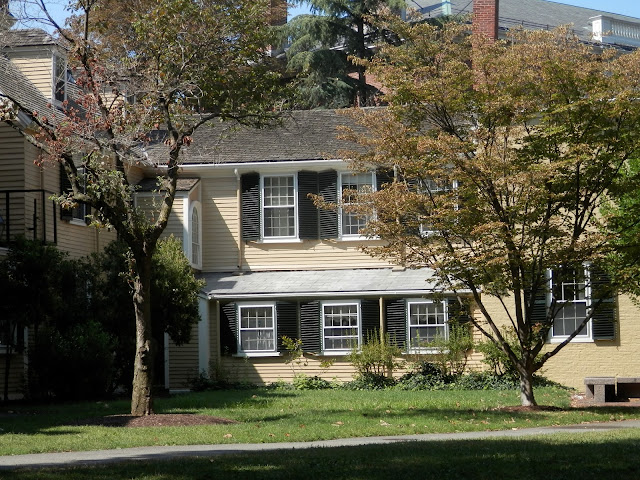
x: 499, y: 157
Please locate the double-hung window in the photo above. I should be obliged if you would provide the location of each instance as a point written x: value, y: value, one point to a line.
x: 431, y: 189
x: 257, y: 328
x: 427, y: 321
x: 572, y: 293
x: 351, y: 184
x: 279, y: 207
x: 340, y: 326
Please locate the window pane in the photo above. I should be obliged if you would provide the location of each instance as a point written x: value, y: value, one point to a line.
x: 340, y: 327
x: 257, y: 332
x: 279, y: 207
x: 427, y: 321
x: 352, y: 224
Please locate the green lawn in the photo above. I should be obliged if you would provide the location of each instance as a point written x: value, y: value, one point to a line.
x: 282, y: 415
x: 598, y: 456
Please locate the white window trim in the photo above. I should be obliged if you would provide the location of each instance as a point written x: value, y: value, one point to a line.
x: 585, y: 338
x: 341, y: 213
x: 331, y: 303
x: 197, y: 207
x: 280, y: 239
x: 257, y: 353
x: 417, y: 301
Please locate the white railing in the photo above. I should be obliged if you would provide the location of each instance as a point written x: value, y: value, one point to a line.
x: 612, y: 30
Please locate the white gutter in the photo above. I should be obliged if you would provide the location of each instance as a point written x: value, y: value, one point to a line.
x: 340, y: 294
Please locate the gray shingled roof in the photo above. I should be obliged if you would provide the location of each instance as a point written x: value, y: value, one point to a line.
x: 531, y: 14
x: 27, y: 37
x: 304, y: 135
x: 151, y: 184
x: 14, y: 85
x: 320, y: 283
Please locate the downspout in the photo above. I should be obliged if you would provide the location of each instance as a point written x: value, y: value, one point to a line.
x: 239, y: 216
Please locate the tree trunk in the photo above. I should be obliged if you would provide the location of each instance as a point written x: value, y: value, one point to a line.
x: 142, y: 395
x: 526, y: 389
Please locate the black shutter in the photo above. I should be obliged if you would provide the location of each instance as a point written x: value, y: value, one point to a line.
x: 65, y: 187
x: 603, y: 319
x: 370, y: 315
x: 287, y: 315
x: 328, y: 190
x: 383, y: 175
x: 396, y: 313
x: 310, y: 331
x: 456, y: 313
x: 539, y: 311
x: 250, y: 200
x: 307, y: 211
x: 229, y: 328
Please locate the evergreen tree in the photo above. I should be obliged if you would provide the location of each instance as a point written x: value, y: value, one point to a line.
x: 324, y: 44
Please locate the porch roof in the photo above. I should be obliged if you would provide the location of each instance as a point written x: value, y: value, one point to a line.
x: 320, y: 283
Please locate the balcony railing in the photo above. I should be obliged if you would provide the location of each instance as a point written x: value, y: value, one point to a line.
x: 29, y: 213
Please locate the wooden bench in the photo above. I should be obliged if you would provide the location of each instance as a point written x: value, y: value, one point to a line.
x: 600, y: 389
x: 628, y: 387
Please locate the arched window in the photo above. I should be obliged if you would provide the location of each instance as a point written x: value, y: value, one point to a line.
x: 196, y: 258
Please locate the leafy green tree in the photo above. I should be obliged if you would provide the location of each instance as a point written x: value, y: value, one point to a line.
x: 174, y: 288
x: 31, y: 293
x: 167, y: 66
x: 321, y: 46
x: 500, y: 156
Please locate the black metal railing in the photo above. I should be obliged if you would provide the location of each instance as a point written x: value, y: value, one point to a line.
x: 29, y: 213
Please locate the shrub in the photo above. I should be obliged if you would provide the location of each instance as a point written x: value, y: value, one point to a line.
x: 451, y: 352
x: 376, y: 357
x: 76, y: 364
x: 425, y: 376
x: 369, y: 381
x: 305, y: 382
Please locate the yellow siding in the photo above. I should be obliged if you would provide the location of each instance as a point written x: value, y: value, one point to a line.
x: 308, y: 255
x: 11, y: 158
x: 12, y: 173
x: 36, y: 65
x: 183, y: 361
x: 220, y: 224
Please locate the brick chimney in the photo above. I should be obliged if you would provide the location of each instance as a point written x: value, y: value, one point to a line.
x: 485, y: 18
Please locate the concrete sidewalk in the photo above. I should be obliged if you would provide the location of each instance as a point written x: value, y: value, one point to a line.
x: 99, y: 457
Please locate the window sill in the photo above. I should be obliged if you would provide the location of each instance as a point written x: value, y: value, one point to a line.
x: 355, y: 238
x: 278, y: 240
x: 575, y: 340
x: 337, y: 353
x: 78, y: 222
x: 256, y: 354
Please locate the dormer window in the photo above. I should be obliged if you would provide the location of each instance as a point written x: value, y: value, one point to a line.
x: 60, y: 77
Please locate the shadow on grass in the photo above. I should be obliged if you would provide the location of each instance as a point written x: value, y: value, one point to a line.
x: 44, y: 419
x: 567, y: 457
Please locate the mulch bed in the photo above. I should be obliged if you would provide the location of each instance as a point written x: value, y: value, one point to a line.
x: 157, y: 420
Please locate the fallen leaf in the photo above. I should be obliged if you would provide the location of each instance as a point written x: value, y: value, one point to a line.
x: 384, y: 424
x: 227, y: 435
x: 271, y: 435
x: 337, y: 424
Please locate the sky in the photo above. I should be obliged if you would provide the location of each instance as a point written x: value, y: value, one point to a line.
x: 623, y: 7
